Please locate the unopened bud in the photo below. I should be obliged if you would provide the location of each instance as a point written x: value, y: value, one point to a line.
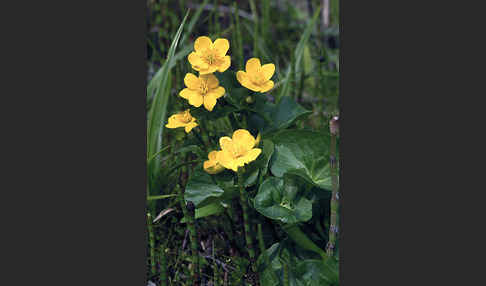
x: 249, y: 99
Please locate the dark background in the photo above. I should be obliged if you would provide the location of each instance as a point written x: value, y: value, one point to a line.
x: 75, y: 144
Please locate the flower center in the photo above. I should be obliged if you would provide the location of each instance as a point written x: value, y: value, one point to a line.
x: 257, y: 78
x: 186, y: 118
x: 211, y: 56
x: 203, y: 87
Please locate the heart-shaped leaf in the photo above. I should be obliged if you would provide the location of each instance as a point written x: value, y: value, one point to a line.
x: 282, y: 199
x: 201, y: 187
x: 269, y: 117
x: 303, y: 153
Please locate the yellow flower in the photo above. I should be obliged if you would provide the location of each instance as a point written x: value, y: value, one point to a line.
x: 238, y: 150
x: 212, y: 165
x: 182, y: 119
x: 200, y: 90
x: 256, y: 77
x: 209, y: 57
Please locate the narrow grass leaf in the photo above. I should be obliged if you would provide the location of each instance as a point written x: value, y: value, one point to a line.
x: 158, y: 110
x: 299, y: 52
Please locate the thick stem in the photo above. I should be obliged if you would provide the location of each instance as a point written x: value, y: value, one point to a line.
x: 163, y: 267
x: 189, y: 217
x: 244, y: 207
x: 153, y: 268
x: 333, y: 228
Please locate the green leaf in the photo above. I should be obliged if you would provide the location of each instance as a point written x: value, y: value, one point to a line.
x: 158, y: 110
x: 201, y: 187
x: 278, y: 116
x: 302, y: 153
x: 281, y: 199
x: 268, y: 148
x: 299, y: 52
x: 302, y: 267
x: 211, y: 209
x: 312, y: 272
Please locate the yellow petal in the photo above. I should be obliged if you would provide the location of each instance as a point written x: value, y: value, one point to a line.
x: 252, y: 65
x: 222, y: 45
x: 208, y: 164
x: 268, y: 71
x: 225, y: 159
x: 195, y: 60
x: 196, y: 99
x: 202, y: 43
x: 189, y: 126
x: 267, y: 86
x: 242, y: 77
x: 192, y: 81
x: 217, y: 92
x: 226, y: 143
x: 211, y: 80
x: 225, y: 64
x: 209, y: 101
x: 173, y: 122
x: 243, y: 139
x: 208, y: 70
x: 252, y: 155
x: 185, y: 93
x: 212, y: 155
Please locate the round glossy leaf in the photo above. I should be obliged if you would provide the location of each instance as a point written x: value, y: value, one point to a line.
x: 281, y: 199
x: 303, y: 153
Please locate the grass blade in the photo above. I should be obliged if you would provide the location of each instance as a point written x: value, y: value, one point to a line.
x: 299, y: 52
x: 158, y: 110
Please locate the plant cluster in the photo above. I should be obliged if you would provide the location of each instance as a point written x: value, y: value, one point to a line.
x: 248, y: 176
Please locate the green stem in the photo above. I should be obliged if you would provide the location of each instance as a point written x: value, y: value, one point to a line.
x: 189, y: 218
x: 239, y: 49
x: 153, y: 268
x: 163, y: 267
x: 333, y: 228
x: 244, y: 207
x: 299, y: 237
x: 216, y: 18
x: 255, y: 31
x: 286, y: 274
x: 161, y: 197
x: 261, y: 244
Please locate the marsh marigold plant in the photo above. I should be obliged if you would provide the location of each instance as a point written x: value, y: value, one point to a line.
x: 201, y: 90
x: 209, y: 57
x: 182, y: 119
x: 256, y: 77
